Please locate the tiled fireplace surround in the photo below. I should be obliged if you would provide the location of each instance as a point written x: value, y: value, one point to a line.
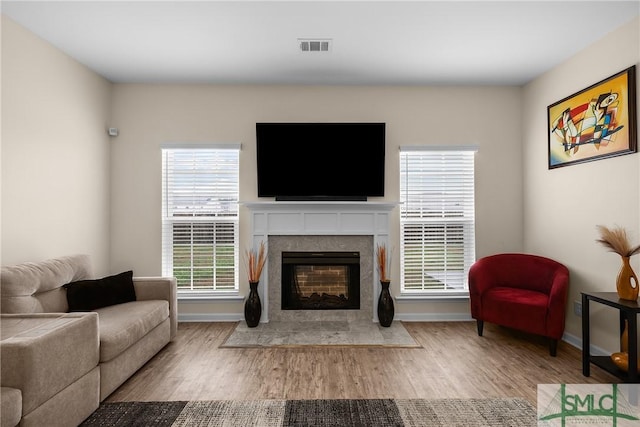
x: 319, y: 226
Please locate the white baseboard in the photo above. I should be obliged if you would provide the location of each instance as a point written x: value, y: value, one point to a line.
x: 577, y: 343
x: 210, y: 317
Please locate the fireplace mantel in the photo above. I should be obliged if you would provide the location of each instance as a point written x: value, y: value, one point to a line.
x: 324, y: 206
x: 318, y: 218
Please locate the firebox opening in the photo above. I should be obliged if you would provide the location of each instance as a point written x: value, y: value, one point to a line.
x: 320, y: 280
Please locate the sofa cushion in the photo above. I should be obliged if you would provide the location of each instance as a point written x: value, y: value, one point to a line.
x: 522, y: 309
x: 36, y: 287
x: 88, y: 295
x: 124, y: 324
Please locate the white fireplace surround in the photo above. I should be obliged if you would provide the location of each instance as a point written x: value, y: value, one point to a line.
x: 321, y: 219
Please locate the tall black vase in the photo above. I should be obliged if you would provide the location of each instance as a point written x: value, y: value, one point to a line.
x: 385, y: 305
x: 252, y: 306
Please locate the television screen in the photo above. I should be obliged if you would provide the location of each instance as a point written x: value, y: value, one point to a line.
x: 320, y: 161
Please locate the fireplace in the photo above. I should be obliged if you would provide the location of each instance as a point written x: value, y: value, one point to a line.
x: 320, y: 280
x: 314, y: 227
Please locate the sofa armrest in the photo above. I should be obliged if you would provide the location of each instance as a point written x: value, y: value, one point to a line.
x: 160, y: 288
x: 43, y: 353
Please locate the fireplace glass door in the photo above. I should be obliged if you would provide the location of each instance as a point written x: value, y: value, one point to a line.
x: 320, y: 280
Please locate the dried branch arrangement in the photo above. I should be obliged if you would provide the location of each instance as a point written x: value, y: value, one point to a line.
x: 616, y: 240
x: 383, y: 259
x: 255, y: 262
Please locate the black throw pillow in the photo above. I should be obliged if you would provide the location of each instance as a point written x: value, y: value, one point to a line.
x: 87, y: 295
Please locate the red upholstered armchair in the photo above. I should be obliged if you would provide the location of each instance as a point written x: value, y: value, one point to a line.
x: 520, y: 291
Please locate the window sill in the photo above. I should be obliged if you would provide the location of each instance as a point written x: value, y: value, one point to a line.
x: 208, y: 296
x: 435, y: 296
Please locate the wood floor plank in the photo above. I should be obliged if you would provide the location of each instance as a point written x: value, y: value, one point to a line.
x: 453, y: 362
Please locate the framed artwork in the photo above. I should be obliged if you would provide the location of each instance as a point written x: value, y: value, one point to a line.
x: 596, y: 123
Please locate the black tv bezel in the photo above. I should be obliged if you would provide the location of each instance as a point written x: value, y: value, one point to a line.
x: 330, y: 196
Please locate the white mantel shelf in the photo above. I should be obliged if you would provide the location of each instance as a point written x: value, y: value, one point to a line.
x: 324, y: 205
x: 318, y: 218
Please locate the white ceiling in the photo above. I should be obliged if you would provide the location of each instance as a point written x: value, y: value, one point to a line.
x: 374, y: 42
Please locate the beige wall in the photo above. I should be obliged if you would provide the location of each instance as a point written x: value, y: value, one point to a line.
x: 562, y: 206
x: 150, y: 115
x: 55, y: 153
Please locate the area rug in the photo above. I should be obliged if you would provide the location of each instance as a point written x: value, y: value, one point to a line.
x: 510, y: 412
x: 320, y: 333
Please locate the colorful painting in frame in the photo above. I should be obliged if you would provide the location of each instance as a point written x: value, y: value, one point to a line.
x: 596, y: 123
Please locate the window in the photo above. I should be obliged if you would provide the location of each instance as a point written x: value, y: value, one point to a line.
x: 200, y: 218
x: 437, y: 219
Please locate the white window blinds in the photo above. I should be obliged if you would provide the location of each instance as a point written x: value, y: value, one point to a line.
x: 200, y: 188
x: 437, y: 218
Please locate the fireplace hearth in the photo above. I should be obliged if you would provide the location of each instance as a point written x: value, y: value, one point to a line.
x: 320, y: 280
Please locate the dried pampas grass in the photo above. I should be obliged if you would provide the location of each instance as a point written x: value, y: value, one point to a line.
x: 255, y: 262
x: 615, y: 240
x: 383, y: 261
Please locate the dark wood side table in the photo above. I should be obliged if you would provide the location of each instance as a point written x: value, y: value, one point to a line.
x: 627, y: 310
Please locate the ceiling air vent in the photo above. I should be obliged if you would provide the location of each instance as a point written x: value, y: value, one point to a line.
x: 315, y: 45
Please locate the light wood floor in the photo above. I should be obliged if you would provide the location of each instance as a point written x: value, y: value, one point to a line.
x: 454, y: 362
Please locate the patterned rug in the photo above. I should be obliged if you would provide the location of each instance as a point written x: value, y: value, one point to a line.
x: 310, y: 413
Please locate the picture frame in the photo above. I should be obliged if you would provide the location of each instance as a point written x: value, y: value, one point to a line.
x: 595, y: 123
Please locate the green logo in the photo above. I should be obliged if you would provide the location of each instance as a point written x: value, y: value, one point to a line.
x: 588, y: 405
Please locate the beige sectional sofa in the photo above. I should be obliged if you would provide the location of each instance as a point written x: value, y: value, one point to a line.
x: 57, y: 366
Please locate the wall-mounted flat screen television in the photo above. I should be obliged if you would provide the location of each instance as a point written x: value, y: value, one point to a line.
x: 320, y: 161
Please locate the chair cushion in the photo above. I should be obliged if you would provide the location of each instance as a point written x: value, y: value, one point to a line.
x: 123, y: 325
x: 521, y: 309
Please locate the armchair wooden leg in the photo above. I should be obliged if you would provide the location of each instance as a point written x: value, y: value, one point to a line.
x: 480, y: 324
x: 553, y: 347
